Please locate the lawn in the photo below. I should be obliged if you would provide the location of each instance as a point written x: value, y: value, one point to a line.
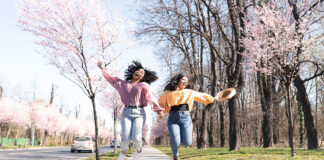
x: 245, y: 153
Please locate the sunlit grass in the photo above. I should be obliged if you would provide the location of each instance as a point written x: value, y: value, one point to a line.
x: 245, y: 153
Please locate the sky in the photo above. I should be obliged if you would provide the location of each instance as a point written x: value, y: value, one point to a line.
x: 24, y: 72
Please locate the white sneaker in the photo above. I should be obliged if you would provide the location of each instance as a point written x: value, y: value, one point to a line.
x: 121, y: 156
x: 137, y: 156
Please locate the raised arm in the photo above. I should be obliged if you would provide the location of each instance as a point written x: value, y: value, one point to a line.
x: 114, y: 81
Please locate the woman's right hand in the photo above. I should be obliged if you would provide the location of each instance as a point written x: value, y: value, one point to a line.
x: 100, y: 64
x: 161, y: 114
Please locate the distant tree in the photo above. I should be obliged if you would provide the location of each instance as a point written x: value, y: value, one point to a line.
x: 111, y: 99
x: 13, y: 113
x: 160, y: 128
x: 1, y: 92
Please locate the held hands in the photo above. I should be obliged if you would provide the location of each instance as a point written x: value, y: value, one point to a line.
x: 161, y: 114
x: 100, y: 64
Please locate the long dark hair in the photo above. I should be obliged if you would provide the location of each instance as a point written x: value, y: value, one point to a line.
x: 173, y: 83
x: 149, y: 76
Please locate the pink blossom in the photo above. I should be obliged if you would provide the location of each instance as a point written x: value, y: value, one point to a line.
x: 160, y: 128
x: 111, y: 100
x: 271, y: 40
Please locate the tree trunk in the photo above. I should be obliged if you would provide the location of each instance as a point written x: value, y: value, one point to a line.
x: 213, y: 82
x: 197, y: 121
x: 54, y: 143
x: 265, y: 98
x: 201, y: 144
x: 62, y: 137
x: 234, y: 69
x: 67, y: 139
x: 9, y: 130
x: 211, y: 130
x: 96, y: 125
x: 290, y: 123
x: 1, y: 92
x: 52, y: 95
x: 16, y: 136
x: 256, y: 133
x: 266, y: 130
x: 232, y: 108
x: 301, y: 124
x: 275, y: 124
x: 45, y: 138
x: 33, y: 135
x: 233, y: 137
x: 115, y: 131
x: 1, y: 135
x: 302, y: 98
x: 222, y: 125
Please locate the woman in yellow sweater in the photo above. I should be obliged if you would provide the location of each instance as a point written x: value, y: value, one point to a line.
x: 178, y: 99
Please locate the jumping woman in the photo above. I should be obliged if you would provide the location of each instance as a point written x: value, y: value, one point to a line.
x: 135, y: 93
x: 178, y: 99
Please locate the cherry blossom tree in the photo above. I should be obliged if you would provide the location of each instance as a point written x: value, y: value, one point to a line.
x: 13, y: 113
x: 41, y: 116
x: 111, y: 99
x: 160, y: 128
x: 274, y: 45
x: 37, y: 114
x: 73, y: 35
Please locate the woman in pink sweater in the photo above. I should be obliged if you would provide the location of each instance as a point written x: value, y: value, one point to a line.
x: 135, y: 93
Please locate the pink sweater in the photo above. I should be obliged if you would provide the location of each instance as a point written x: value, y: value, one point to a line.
x: 133, y: 94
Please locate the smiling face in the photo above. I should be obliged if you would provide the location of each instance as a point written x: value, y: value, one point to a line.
x: 138, y: 75
x: 183, y: 83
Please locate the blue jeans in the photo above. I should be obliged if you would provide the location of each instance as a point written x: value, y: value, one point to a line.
x: 180, y: 129
x: 131, y: 127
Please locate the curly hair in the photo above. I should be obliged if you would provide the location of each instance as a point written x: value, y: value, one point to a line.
x: 173, y: 83
x: 149, y: 76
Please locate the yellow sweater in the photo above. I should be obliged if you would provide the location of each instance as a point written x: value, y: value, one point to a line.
x: 185, y: 96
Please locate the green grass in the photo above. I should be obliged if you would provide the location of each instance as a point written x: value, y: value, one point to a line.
x: 111, y: 155
x: 245, y: 154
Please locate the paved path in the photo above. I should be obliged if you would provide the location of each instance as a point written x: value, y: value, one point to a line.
x: 150, y: 153
x: 59, y: 153
x: 63, y: 153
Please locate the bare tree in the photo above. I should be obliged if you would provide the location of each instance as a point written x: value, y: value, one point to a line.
x: 52, y: 94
